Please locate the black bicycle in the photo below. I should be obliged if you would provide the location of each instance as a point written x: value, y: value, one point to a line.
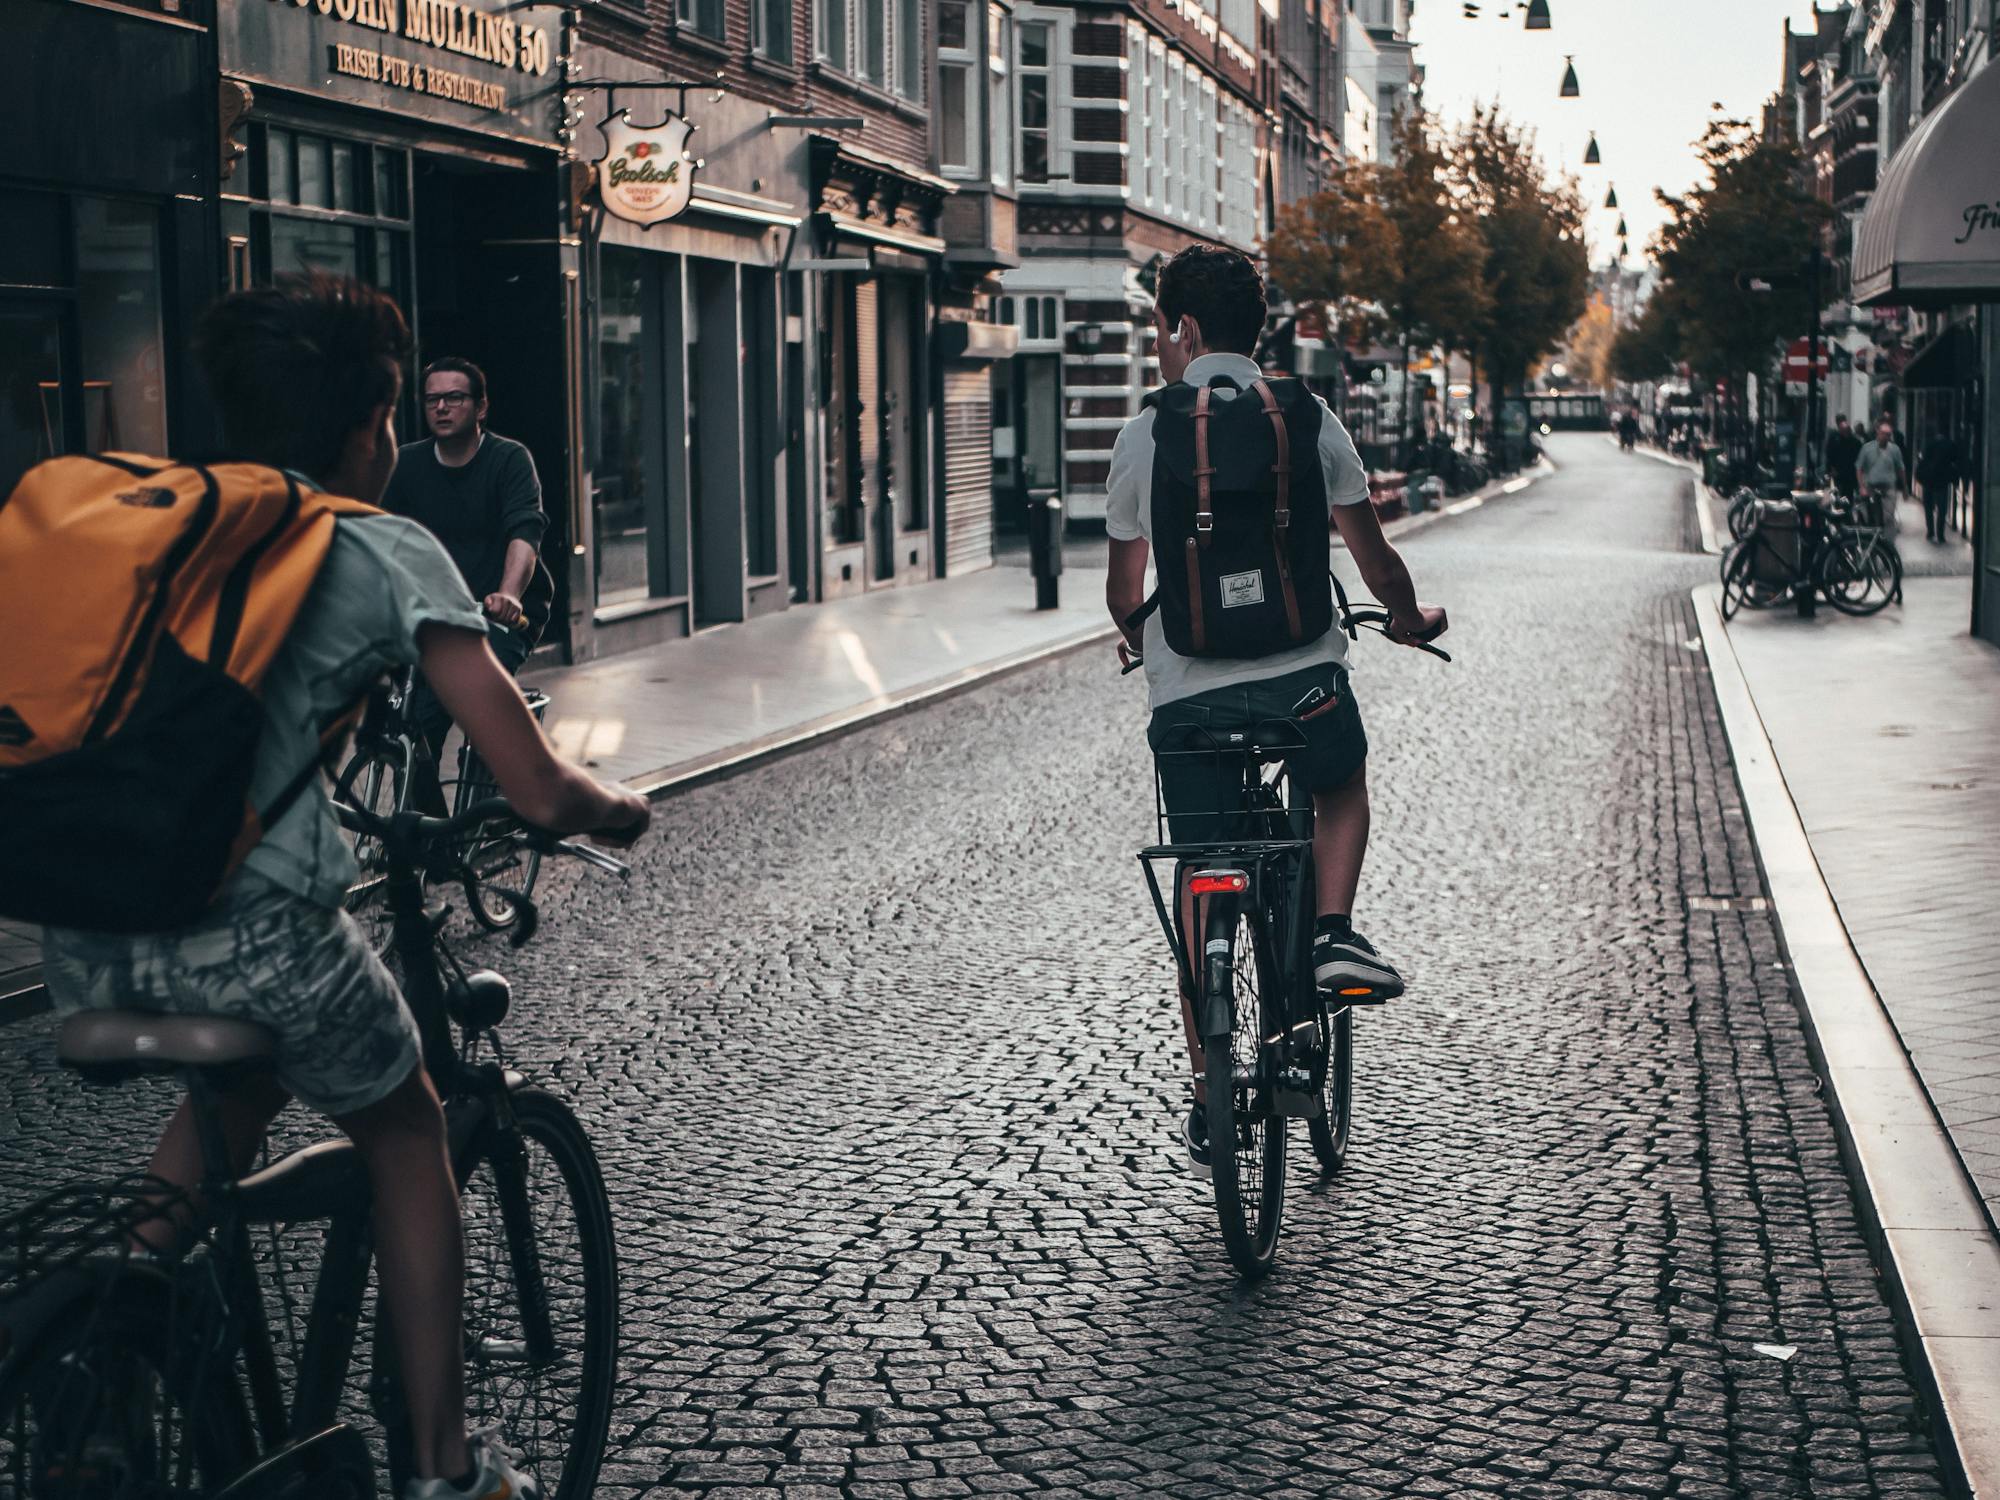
x: 1811, y: 547
x: 137, y: 1375
x: 496, y: 867
x: 1275, y: 1048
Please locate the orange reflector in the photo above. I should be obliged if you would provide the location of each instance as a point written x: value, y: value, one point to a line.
x: 1218, y: 882
x: 1363, y: 990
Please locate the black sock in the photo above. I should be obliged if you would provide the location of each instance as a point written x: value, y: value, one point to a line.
x: 1338, y: 924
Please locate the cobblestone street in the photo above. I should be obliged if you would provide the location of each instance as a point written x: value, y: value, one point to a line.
x: 880, y: 1053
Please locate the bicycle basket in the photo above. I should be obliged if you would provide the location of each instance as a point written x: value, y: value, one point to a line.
x: 1219, y: 795
x: 78, y: 1221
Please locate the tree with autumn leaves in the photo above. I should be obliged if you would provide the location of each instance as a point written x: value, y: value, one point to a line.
x: 1462, y: 243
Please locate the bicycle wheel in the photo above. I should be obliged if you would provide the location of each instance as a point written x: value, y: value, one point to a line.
x: 104, y: 1405
x: 1860, y: 574
x: 541, y: 1294
x: 379, y: 785
x: 1741, y: 587
x: 1246, y: 1138
x: 1742, y: 515
x: 502, y: 870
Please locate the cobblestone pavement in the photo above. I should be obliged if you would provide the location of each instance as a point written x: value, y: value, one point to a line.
x: 880, y: 1053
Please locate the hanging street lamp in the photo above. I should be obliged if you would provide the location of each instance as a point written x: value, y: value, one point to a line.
x: 1569, y: 88
x: 1538, y: 15
x: 1591, y: 156
x: 1611, y: 198
x: 1621, y: 227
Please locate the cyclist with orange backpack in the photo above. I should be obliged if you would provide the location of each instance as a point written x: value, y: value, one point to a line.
x: 1231, y: 483
x: 192, y: 641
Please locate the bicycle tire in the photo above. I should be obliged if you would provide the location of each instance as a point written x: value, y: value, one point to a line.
x: 98, y: 1407
x: 558, y: 1412
x: 495, y: 906
x: 1741, y: 588
x: 380, y: 785
x: 1246, y: 1139
x: 1742, y: 515
x: 1870, y: 575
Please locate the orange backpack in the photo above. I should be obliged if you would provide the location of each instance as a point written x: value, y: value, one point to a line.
x: 142, y: 601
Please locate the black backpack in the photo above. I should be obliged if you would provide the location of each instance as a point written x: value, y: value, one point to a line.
x: 1240, y: 519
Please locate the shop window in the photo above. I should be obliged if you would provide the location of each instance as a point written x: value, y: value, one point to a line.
x: 81, y: 349
x: 628, y: 490
x: 392, y: 184
x: 281, y: 166
x: 771, y: 29
x: 315, y: 178
x: 704, y: 16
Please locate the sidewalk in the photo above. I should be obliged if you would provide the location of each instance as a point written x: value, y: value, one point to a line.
x: 1869, y: 752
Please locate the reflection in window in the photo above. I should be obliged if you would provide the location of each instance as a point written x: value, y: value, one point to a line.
x: 619, y: 495
x: 118, y: 315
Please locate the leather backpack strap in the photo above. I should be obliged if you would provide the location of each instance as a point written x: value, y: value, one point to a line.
x: 1281, y: 509
x: 1204, y: 519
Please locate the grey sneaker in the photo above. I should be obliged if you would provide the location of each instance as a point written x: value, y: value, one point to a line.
x: 1194, y: 1136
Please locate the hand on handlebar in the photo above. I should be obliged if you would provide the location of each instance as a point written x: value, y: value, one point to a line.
x: 1128, y: 659
x: 1429, y: 625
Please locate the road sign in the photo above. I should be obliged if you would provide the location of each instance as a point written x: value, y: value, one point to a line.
x: 1798, y: 359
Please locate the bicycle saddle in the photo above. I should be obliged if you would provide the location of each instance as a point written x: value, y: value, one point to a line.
x: 137, y: 1041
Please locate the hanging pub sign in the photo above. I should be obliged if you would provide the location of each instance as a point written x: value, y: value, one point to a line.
x: 646, y: 172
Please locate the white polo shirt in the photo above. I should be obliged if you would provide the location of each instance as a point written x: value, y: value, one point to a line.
x: 1128, y: 517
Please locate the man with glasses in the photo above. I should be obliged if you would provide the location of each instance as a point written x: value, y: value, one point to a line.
x: 476, y: 492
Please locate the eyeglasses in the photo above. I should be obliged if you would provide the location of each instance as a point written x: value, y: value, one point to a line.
x: 448, y: 398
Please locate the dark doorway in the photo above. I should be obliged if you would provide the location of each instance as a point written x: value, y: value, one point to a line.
x: 715, y: 447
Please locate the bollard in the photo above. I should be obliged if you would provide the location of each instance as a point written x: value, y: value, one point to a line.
x: 1045, y: 544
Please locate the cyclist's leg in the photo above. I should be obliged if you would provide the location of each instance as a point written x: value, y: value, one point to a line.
x: 1341, y: 821
x: 431, y: 723
x: 245, y: 1111
x: 420, y: 1252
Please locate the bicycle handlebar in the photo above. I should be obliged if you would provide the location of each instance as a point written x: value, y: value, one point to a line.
x: 424, y: 831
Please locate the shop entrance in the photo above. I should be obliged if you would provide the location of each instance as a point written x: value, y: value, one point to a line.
x: 1027, y: 435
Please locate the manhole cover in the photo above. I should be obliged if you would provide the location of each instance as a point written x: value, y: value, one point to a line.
x: 1728, y: 903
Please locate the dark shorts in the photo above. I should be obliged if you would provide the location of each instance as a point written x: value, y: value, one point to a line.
x: 1196, y: 787
x: 429, y: 715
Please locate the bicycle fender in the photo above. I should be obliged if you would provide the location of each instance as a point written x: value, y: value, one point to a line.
x: 53, y: 1298
x: 1216, y: 989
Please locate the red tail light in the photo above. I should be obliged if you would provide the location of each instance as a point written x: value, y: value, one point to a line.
x: 1218, y: 882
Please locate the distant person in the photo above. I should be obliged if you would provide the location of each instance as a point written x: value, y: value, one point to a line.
x: 1843, y: 446
x: 478, y: 493
x: 1882, y: 474
x: 1937, y: 470
x: 1628, y: 429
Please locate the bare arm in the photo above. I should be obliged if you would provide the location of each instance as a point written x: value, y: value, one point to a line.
x: 1380, y: 564
x: 1125, y: 587
x: 540, y: 785
x: 519, y: 567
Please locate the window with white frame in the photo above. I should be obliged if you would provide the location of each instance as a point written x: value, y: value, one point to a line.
x: 879, y: 42
x: 771, y: 29
x: 958, y: 91
x: 1156, y: 115
x: 704, y: 16
x: 1000, y: 94
x: 1037, y: 97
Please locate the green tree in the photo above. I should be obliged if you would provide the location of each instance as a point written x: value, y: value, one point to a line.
x: 1431, y: 290
x: 1645, y: 349
x: 1331, y: 253
x: 1751, y: 214
x: 1536, y: 268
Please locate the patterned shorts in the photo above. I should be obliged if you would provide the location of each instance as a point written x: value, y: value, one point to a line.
x: 345, y: 1037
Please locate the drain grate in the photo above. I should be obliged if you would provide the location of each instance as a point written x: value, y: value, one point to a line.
x: 1728, y: 903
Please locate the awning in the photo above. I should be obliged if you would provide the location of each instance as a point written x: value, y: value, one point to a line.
x: 1948, y: 362
x: 1931, y: 233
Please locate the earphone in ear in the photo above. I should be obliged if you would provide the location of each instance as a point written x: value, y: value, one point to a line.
x: 1174, y: 333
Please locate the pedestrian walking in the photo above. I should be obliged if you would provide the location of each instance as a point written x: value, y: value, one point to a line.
x: 1843, y: 446
x: 1937, y: 471
x: 1880, y: 472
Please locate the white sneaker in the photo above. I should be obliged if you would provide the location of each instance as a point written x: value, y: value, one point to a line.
x: 494, y: 1475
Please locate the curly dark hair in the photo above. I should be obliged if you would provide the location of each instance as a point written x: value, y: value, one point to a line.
x: 1221, y: 290
x: 296, y: 366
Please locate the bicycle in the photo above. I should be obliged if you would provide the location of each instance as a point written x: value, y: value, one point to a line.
x: 378, y: 778
x: 1808, y: 548
x: 1274, y: 1048
x: 135, y: 1375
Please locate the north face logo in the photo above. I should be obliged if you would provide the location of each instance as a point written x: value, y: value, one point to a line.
x: 14, y: 729
x: 148, y: 497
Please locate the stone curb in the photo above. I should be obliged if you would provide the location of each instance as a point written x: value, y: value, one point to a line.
x: 1933, y: 1246
x: 1398, y: 529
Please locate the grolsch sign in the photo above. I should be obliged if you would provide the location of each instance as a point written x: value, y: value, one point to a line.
x: 646, y: 173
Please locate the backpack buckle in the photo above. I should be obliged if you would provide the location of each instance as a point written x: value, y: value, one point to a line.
x: 1204, y: 522
x: 1282, y: 518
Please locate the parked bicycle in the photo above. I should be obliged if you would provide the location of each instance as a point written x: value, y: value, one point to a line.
x: 1274, y: 1048
x: 497, y: 868
x: 130, y: 1375
x: 1743, y: 504
x: 1808, y: 548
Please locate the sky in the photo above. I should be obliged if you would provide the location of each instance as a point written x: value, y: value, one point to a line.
x: 1648, y: 71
